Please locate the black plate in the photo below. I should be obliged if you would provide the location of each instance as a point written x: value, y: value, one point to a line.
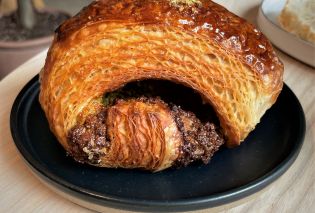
x: 232, y: 174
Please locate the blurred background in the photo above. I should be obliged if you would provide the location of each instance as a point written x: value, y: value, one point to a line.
x: 27, y: 26
x: 72, y: 6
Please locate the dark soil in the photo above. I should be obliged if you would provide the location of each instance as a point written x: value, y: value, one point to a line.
x: 11, y: 30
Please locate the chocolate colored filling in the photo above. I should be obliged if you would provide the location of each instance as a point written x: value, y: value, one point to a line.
x: 201, y: 138
x: 201, y: 141
x: 86, y: 141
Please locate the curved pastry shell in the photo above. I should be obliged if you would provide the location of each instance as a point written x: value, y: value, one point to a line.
x: 203, y: 46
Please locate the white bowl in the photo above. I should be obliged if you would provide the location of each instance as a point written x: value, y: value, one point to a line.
x: 268, y: 23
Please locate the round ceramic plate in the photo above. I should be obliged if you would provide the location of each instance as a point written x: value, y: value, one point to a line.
x: 267, y: 21
x: 231, y: 175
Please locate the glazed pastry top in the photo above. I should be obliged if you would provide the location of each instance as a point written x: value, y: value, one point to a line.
x: 204, y: 18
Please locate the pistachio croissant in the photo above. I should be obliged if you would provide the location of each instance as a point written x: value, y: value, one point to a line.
x: 198, y: 44
x: 143, y: 133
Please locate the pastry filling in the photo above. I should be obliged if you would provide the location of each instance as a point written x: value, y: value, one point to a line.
x: 86, y: 141
x: 195, y: 121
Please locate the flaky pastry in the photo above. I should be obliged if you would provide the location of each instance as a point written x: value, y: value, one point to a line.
x: 199, y: 44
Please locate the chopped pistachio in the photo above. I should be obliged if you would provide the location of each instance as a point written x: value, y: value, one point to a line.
x: 187, y: 2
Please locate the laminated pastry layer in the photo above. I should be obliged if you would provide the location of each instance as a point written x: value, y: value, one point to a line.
x: 111, y: 43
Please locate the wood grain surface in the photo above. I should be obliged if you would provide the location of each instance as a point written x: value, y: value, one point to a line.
x: 294, y: 191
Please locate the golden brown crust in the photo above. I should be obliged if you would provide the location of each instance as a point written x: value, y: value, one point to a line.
x: 143, y: 134
x: 207, y: 19
x: 113, y: 42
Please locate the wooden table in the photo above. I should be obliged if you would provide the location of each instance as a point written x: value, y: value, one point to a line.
x: 20, y: 191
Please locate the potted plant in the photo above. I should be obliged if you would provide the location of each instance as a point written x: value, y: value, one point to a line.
x: 26, y: 28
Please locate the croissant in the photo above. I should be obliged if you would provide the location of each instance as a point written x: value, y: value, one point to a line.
x: 196, y: 43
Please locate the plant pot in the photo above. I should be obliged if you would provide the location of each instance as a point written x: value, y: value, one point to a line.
x: 13, y: 54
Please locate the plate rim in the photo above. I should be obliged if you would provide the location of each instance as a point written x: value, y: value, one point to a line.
x: 265, y: 23
x: 199, y: 202
x: 280, y: 28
